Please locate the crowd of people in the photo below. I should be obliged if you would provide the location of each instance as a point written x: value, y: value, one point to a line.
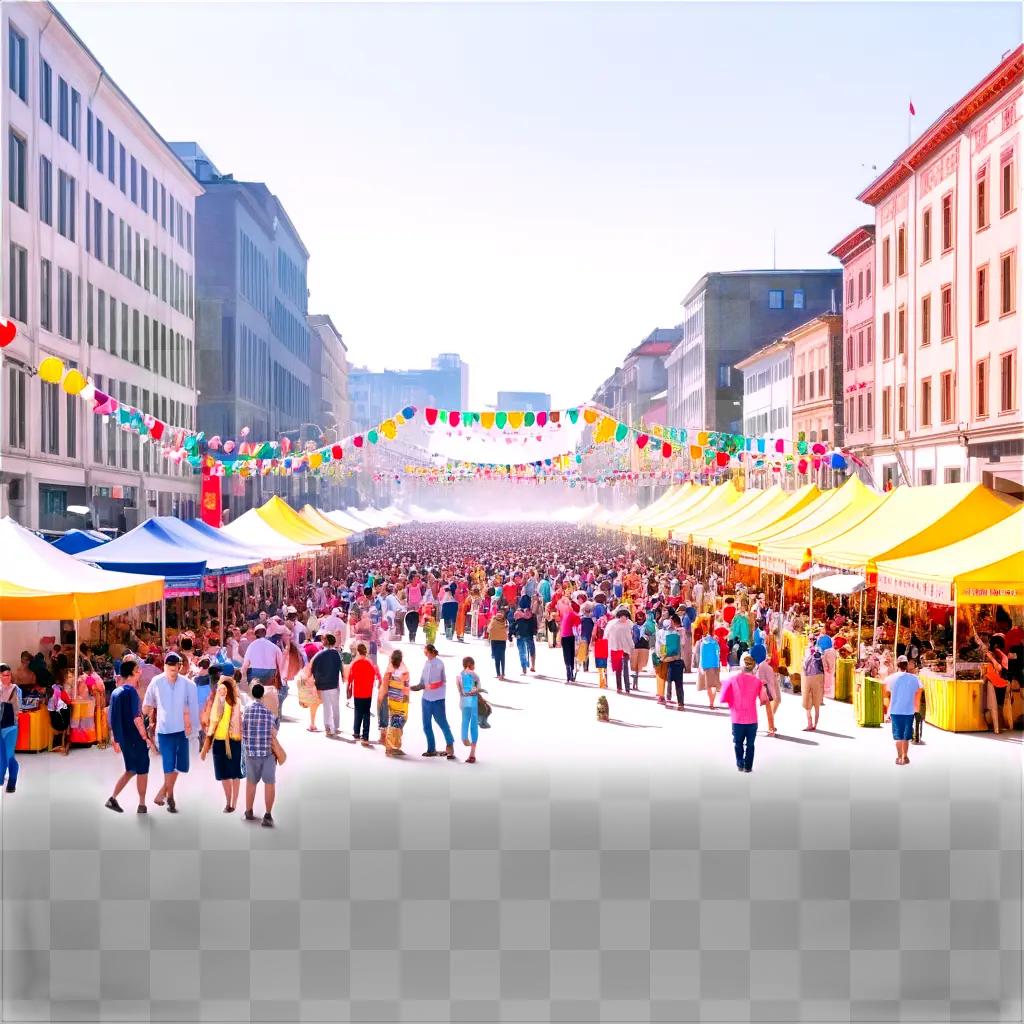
x: 609, y: 609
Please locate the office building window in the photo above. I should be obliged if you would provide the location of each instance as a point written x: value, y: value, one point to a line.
x: 112, y: 335
x: 65, y: 303
x: 188, y: 239
x: 952, y: 475
x: 99, y: 145
x: 63, y: 108
x: 76, y: 118
x: 981, y: 388
x: 88, y: 222
x: 946, y: 397
x: 927, y: 477
x: 926, y: 321
x: 66, y: 188
x: 885, y: 261
x: 46, y: 295
x: 111, y: 153
x: 901, y: 408
x: 867, y: 283
x: 17, y: 169
x: 45, y: 93
x: 49, y: 437
x: 1007, y: 283
x: 901, y: 330
x: 1008, y: 382
x: 849, y: 352
x: 810, y: 385
x: 901, y: 252
x: 981, y: 295
x: 90, y: 336
x: 72, y: 404
x: 18, y: 286
x: 886, y: 412
x: 97, y: 230
x: 926, y: 235
x: 111, y: 248
x: 947, y: 311
x: 17, y: 63
x: 776, y: 298
x: 869, y: 409
x: 154, y: 205
x: 822, y: 388
x: 101, y: 318
x: 886, y: 337
x: 925, y: 411
x: 1007, y: 198
x: 144, y: 188
x: 981, y: 197
x: 16, y: 408
x: 947, y: 222
x: 135, y: 181
x: 122, y: 164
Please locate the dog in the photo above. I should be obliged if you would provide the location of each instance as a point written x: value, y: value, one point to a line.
x: 602, y: 709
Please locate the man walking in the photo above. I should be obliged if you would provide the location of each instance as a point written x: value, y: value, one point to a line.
x: 260, y: 763
x: 326, y: 671
x: 432, y: 683
x: 262, y: 657
x: 171, y: 699
x: 904, y: 690
x: 741, y: 692
x: 619, y: 635
x: 131, y: 740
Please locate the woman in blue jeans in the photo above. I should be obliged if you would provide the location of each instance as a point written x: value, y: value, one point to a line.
x: 10, y: 706
x: 469, y: 689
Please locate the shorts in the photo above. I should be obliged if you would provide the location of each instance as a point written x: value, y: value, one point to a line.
x: 136, y: 758
x: 902, y: 726
x: 174, y: 751
x: 812, y: 691
x: 261, y: 769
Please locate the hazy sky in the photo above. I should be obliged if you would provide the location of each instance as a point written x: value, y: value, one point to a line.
x: 536, y: 186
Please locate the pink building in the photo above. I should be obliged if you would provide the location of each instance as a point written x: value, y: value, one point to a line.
x: 856, y: 252
x: 818, y: 379
x: 946, y: 290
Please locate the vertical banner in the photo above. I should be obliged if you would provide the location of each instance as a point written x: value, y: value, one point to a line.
x: 210, y: 500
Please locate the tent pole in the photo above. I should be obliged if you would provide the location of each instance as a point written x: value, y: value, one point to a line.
x: 810, y: 608
x: 896, y: 635
x: 874, y: 628
x: 77, y: 645
x: 860, y: 621
x: 956, y: 611
x: 163, y: 624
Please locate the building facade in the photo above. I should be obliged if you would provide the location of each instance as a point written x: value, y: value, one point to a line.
x: 528, y: 401
x: 818, y: 380
x: 98, y: 234
x: 727, y: 316
x: 644, y: 378
x: 376, y: 395
x: 856, y: 252
x: 254, y: 342
x: 330, y: 406
x: 947, y: 270
x: 768, y: 391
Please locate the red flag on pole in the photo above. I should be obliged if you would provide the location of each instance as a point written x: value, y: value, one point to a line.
x: 912, y: 110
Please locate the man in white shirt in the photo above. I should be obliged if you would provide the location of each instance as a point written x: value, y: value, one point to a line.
x: 335, y: 625
x: 262, y: 657
x: 619, y: 635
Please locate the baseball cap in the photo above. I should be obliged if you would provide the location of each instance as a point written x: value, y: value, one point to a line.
x: 172, y: 658
x: 291, y: 610
x: 748, y: 662
x: 901, y: 660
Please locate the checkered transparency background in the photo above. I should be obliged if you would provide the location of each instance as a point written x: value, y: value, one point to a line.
x: 514, y: 892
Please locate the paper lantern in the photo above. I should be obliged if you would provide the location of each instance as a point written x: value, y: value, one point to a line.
x: 74, y: 382
x: 818, y: 448
x: 515, y: 420
x: 315, y: 460
x: 801, y: 447
x: 8, y: 329
x: 722, y: 458
x: 666, y: 450
x: 702, y: 439
x: 554, y: 416
x: 431, y: 415
x: 51, y: 369
x: 358, y: 439
x: 542, y: 418
x: 500, y: 419
x: 589, y: 415
x: 802, y: 466
x: 641, y: 441
x: 529, y: 419
x: 696, y: 452
x: 336, y: 451
x: 838, y: 461
x: 409, y: 412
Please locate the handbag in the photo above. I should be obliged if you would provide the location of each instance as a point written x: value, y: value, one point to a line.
x: 277, y: 750
x: 7, y: 717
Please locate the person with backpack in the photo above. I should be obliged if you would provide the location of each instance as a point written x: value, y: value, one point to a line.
x: 672, y: 657
x: 709, y: 667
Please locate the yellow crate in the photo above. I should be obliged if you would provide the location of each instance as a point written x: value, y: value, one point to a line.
x: 956, y: 705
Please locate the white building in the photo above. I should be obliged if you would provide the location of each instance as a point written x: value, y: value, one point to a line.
x: 768, y: 391
x: 331, y: 406
x: 97, y: 237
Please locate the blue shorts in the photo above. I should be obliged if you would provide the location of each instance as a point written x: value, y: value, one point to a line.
x: 136, y: 758
x: 174, y: 751
x: 902, y: 726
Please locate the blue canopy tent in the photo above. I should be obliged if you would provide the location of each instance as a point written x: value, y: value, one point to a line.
x: 149, y: 549
x: 224, y: 541
x: 223, y: 556
x: 74, y: 541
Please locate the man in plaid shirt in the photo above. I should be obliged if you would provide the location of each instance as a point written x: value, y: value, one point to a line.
x: 260, y: 764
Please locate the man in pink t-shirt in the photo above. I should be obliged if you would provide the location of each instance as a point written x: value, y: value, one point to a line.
x: 741, y: 692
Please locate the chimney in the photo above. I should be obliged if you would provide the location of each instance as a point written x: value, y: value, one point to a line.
x: 833, y: 301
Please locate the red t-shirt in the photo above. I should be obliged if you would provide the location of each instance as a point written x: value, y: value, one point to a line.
x: 361, y: 674
x: 729, y: 613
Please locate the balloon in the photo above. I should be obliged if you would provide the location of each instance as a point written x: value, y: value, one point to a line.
x: 358, y: 439
x: 702, y: 439
x: 818, y: 448
x: 315, y: 460
x: 621, y: 431
x: 372, y: 436
x: 780, y: 445
x: 589, y: 415
x: 51, y: 369
x: 515, y: 420
x: 74, y: 382
x: 824, y: 642
x: 554, y: 416
x: 838, y: 461
x: 431, y: 415
x: 487, y: 420
x: 388, y: 429
x: 529, y: 419
x: 666, y: 450
x: 802, y: 466
x: 641, y: 441
x: 542, y: 418
x: 722, y: 458
x: 8, y: 329
x: 500, y: 419
x: 443, y: 415
x: 409, y: 412
x: 696, y: 452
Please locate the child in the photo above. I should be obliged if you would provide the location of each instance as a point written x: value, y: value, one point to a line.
x: 203, y: 688
x: 469, y: 689
x: 429, y: 627
x: 396, y: 699
x: 600, y: 645
x: 206, y: 701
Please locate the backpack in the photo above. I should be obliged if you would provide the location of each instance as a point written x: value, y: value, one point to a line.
x: 672, y: 647
x: 710, y: 653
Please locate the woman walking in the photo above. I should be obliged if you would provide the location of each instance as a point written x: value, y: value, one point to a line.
x: 292, y: 662
x: 393, y: 710
x: 469, y: 690
x: 641, y: 652
x: 225, y: 739
x: 497, y: 633
x: 10, y: 708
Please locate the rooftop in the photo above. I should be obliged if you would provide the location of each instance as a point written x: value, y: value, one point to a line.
x: 702, y: 284
x: 772, y: 348
x: 853, y: 243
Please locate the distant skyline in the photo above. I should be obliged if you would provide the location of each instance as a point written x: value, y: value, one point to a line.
x: 537, y: 186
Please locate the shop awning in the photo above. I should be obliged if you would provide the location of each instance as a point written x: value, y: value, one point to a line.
x: 840, y: 583
x: 648, y: 515
x: 74, y: 541
x: 223, y: 558
x: 650, y: 520
x: 984, y: 568
x: 750, y: 507
x: 788, y: 550
x: 252, y: 530
x: 62, y: 587
x: 688, y: 503
x: 151, y: 550
x: 319, y: 521
x: 285, y: 520
x: 773, y: 517
x: 226, y: 544
x: 913, y: 520
x: 716, y: 503
x: 341, y: 518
